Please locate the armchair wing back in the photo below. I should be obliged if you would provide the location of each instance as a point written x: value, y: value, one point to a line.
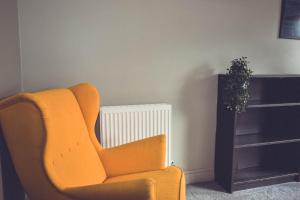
x: 51, y: 139
x: 47, y: 135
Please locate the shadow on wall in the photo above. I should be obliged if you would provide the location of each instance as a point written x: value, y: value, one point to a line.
x: 198, y: 104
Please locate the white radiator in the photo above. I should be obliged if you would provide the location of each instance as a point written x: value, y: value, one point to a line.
x: 123, y: 124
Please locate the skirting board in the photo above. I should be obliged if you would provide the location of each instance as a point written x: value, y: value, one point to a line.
x: 199, y: 175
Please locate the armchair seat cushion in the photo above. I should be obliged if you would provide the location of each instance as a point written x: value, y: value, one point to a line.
x: 169, y: 182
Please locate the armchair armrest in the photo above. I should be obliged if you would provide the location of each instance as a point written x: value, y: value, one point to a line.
x: 144, y: 155
x: 142, y: 189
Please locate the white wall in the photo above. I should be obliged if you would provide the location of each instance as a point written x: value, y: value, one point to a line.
x: 141, y: 51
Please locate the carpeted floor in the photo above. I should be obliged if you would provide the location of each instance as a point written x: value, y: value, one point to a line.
x: 212, y: 191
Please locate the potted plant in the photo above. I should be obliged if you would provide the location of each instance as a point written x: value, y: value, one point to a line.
x: 237, y: 81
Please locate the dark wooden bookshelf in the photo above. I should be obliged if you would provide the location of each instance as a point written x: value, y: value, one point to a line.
x: 257, y: 139
x: 260, y: 146
x: 254, y: 174
x: 272, y: 105
x: 253, y: 177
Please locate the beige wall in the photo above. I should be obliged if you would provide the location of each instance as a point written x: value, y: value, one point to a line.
x: 141, y: 51
x: 10, y: 82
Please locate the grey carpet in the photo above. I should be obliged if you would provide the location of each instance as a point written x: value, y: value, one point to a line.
x: 211, y: 191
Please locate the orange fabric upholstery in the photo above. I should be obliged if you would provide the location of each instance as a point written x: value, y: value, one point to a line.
x: 69, y: 149
x: 89, y: 102
x: 23, y: 130
x: 140, y: 156
x: 51, y: 139
x: 125, y: 190
x: 169, y: 182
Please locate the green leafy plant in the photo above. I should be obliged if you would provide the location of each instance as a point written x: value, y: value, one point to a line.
x: 237, y: 81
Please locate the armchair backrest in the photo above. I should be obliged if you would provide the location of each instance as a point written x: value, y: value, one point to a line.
x: 50, y: 136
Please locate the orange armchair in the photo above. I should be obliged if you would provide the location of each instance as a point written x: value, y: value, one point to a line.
x: 51, y: 139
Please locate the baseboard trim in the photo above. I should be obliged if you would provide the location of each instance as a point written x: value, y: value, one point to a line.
x: 199, y: 175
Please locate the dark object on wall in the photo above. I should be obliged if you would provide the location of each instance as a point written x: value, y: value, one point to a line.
x: 290, y: 19
x: 262, y: 145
